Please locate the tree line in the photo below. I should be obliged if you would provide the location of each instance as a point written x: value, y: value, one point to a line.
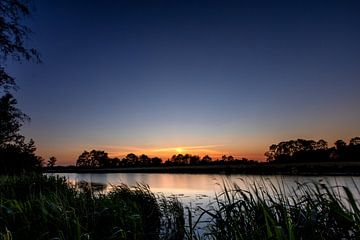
x: 302, y: 150
x: 18, y: 154
x: 292, y: 151
x: 101, y: 159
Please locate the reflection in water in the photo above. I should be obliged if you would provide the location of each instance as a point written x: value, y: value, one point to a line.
x: 90, y: 186
x: 200, y: 189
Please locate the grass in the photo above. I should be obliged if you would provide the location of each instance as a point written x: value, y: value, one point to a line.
x: 311, y: 211
x: 40, y: 207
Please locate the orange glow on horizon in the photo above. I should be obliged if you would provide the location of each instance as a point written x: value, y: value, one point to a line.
x: 214, y: 151
x: 165, y: 152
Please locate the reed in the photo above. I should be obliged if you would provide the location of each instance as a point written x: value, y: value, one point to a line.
x: 40, y: 207
x: 309, y: 211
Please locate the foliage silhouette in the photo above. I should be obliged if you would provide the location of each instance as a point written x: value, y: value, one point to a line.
x: 292, y: 151
x: 15, y: 154
x: 301, y: 150
x: 51, y: 162
x: 12, y: 38
x: 93, y: 159
x: 100, y: 159
x: 11, y: 120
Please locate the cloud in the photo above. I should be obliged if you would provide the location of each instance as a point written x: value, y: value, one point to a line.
x: 185, y: 148
x: 198, y: 149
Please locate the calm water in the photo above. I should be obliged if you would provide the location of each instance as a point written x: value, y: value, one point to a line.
x: 200, y: 189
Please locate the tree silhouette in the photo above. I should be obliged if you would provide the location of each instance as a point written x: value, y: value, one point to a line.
x: 11, y: 120
x: 84, y: 160
x: 194, y: 160
x: 299, y: 150
x: 271, y: 154
x: 177, y: 159
x: 155, y: 161
x: 322, y: 144
x: 19, y: 158
x: 354, y: 141
x: 100, y: 159
x: 230, y: 158
x: 12, y: 37
x: 340, y: 144
x: 93, y: 159
x: 353, y: 149
x: 51, y: 162
x: 131, y: 160
x: 206, y: 159
x: 186, y: 158
x: 15, y: 154
x: 144, y: 160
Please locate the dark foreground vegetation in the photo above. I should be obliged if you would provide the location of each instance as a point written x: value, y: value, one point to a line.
x: 33, y: 206
x: 16, y: 153
x: 40, y: 207
x: 310, y: 211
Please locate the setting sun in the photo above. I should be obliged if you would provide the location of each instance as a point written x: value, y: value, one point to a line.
x: 149, y: 115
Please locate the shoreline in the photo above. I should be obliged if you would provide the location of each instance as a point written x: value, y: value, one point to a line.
x: 296, y: 169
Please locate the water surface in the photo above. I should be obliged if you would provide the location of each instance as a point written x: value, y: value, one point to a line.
x: 200, y: 189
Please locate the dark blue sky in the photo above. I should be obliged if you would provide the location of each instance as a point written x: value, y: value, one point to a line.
x: 204, y: 76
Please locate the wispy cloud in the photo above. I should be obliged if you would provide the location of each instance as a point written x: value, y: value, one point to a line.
x: 185, y: 148
x: 198, y: 149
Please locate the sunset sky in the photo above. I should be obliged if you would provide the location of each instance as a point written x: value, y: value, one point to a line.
x: 199, y: 77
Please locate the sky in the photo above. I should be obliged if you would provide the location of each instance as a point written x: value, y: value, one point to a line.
x: 199, y: 77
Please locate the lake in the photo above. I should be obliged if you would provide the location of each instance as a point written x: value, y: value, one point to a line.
x: 200, y: 189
